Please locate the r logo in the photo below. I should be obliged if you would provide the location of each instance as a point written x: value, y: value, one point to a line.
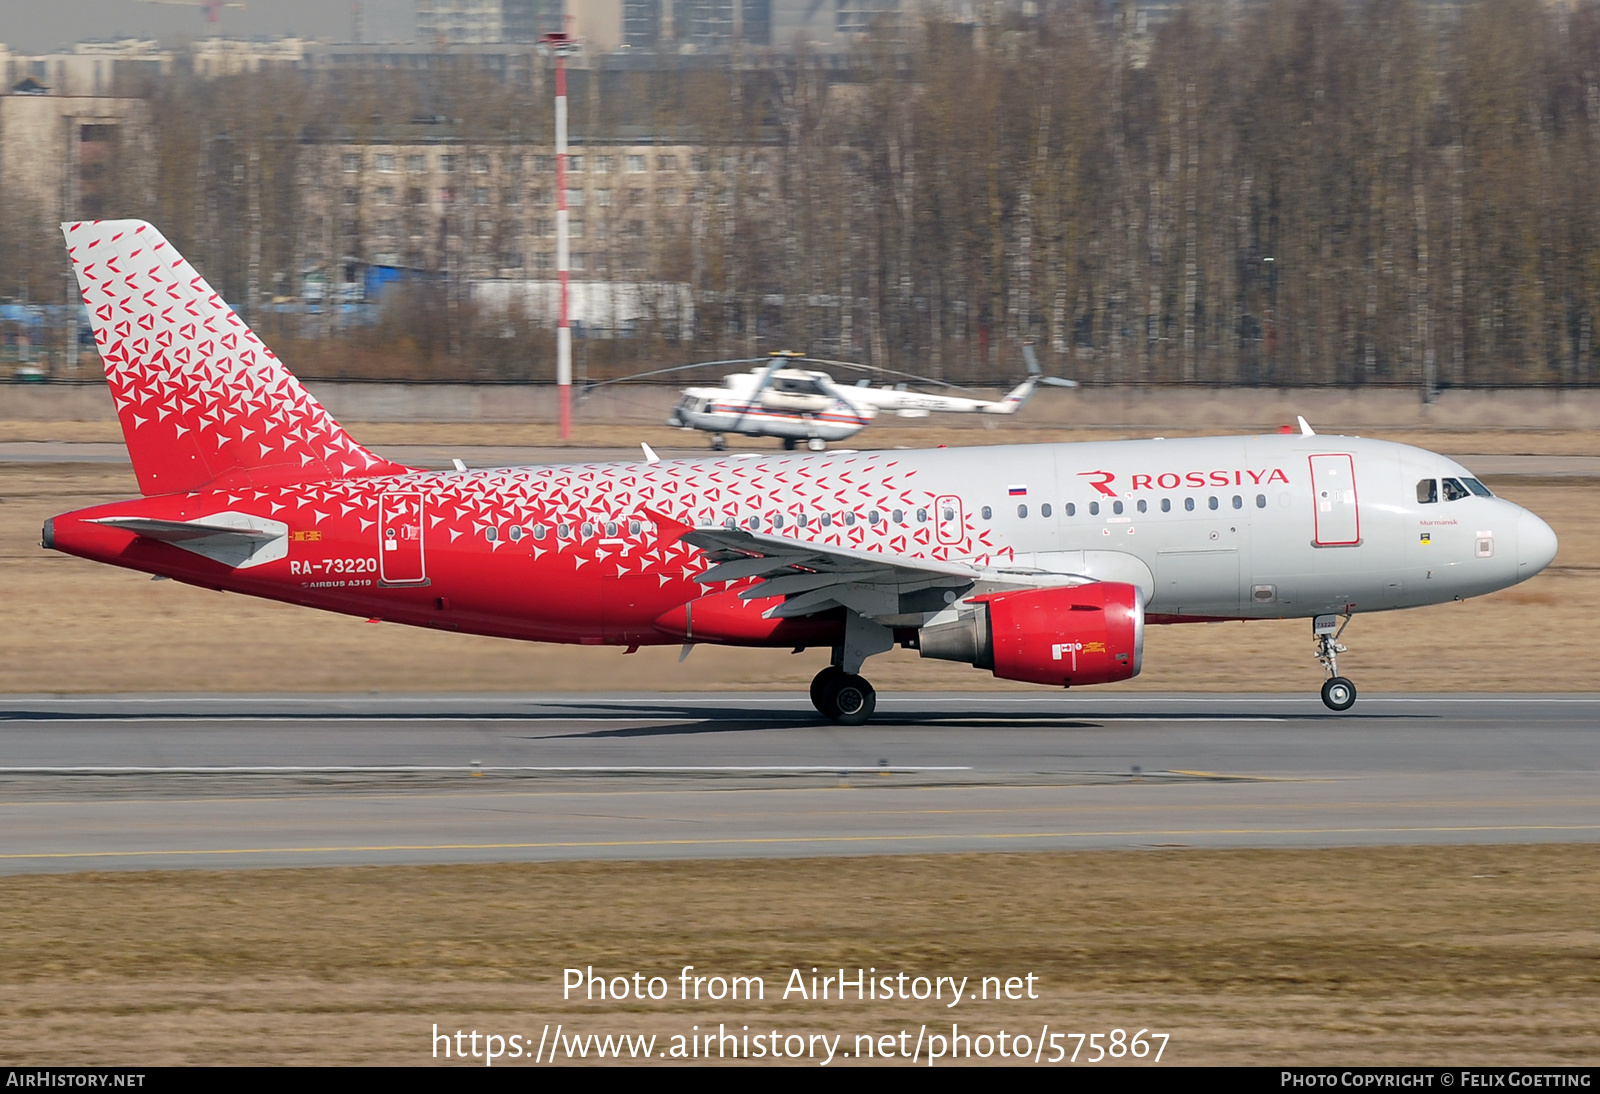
x: 1100, y: 483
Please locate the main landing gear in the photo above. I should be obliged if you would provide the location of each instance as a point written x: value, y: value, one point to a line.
x: 1337, y: 692
x: 843, y: 697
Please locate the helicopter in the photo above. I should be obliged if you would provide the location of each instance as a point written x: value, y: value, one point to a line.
x: 776, y: 398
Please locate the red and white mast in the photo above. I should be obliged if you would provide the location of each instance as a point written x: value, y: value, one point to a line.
x: 561, y: 45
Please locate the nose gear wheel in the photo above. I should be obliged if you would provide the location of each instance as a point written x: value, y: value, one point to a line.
x: 1338, y: 693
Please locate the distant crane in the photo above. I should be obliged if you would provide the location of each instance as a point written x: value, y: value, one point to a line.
x: 212, y: 8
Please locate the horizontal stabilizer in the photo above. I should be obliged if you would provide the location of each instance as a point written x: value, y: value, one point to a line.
x: 237, y: 540
x: 180, y: 531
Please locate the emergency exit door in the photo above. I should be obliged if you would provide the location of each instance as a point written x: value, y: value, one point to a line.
x: 400, y: 558
x: 949, y: 520
x: 1337, y: 513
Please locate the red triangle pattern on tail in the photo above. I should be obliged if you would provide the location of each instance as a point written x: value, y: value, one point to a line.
x: 201, y: 399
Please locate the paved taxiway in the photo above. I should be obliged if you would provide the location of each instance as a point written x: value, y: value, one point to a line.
x: 135, y: 782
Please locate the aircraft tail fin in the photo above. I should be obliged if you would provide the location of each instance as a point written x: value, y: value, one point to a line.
x: 1016, y: 398
x: 201, y: 399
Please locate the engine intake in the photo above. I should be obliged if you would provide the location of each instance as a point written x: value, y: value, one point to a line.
x: 1067, y: 635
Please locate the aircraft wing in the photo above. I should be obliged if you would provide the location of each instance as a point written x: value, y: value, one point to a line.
x: 815, y: 577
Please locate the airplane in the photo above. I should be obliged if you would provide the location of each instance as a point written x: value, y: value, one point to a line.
x: 774, y: 399
x: 1041, y: 563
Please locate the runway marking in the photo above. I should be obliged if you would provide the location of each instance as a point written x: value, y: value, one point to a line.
x: 91, y: 719
x: 779, y: 840
x: 473, y: 770
x: 466, y: 794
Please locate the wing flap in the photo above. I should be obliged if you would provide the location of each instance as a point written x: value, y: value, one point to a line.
x: 818, y: 577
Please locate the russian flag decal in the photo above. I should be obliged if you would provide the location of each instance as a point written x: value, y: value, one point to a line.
x: 1019, y: 491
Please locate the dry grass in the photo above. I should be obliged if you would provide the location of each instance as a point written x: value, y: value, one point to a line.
x: 75, y: 626
x: 1423, y: 955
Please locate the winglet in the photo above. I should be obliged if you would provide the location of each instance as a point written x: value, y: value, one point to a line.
x: 1305, y: 427
x: 649, y: 453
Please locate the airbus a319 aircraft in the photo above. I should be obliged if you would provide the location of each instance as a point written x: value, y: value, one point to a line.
x: 1039, y: 563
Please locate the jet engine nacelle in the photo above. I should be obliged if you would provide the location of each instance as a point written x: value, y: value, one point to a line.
x: 1067, y: 635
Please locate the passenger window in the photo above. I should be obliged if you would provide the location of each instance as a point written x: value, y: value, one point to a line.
x: 753, y: 523
x: 1478, y: 488
x: 1454, y: 491
x: 633, y: 527
x: 922, y: 516
x: 1211, y: 502
x: 611, y: 529
x: 1261, y: 501
x: 1094, y: 509
x: 516, y: 534
x: 1238, y: 502
x: 802, y: 520
x: 727, y: 523
x: 1044, y: 510
x: 849, y: 518
x: 1166, y: 505
x: 1144, y: 506
x: 1427, y: 491
x: 588, y: 527
x: 988, y: 513
x: 872, y: 517
x: 899, y: 516
x: 827, y: 520
x: 563, y: 530
x: 1116, y: 507
x: 1022, y: 510
x: 1072, y: 510
x: 1188, y: 505
x: 491, y: 534
x: 777, y: 520
x: 949, y: 514
x: 538, y: 531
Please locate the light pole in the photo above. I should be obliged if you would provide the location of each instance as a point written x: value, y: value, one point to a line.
x: 562, y: 44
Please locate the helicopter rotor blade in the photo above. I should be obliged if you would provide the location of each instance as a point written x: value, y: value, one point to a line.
x: 883, y: 371
x: 588, y: 388
x: 1038, y: 373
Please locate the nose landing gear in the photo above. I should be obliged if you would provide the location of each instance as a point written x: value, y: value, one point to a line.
x: 1337, y: 692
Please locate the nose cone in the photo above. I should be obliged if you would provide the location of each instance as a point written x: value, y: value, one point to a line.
x: 1536, y: 545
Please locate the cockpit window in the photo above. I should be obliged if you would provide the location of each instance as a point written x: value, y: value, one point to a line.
x: 1478, y: 488
x: 1427, y: 491
x: 1454, y: 490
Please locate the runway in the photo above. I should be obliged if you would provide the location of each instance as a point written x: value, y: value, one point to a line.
x: 142, y: 782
